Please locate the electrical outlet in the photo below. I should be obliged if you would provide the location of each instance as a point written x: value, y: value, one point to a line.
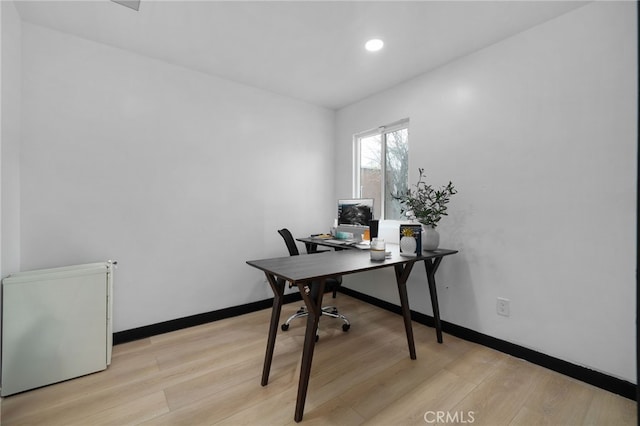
x: 502, y: 307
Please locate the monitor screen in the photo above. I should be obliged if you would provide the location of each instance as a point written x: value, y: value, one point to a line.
x: 355, y: 212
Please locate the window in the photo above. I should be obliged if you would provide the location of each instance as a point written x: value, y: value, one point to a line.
x: 382, y: 167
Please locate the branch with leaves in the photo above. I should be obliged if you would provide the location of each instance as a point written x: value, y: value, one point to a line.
x: 424, y: 203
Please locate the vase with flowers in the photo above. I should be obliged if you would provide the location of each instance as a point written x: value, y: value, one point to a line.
x: 426, y: 205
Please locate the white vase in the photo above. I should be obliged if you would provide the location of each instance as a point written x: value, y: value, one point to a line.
x: 430, y: 238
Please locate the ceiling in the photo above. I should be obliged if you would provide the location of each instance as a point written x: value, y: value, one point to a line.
x: 308, y: 50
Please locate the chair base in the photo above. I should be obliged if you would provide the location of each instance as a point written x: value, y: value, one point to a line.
x: 330, y: 311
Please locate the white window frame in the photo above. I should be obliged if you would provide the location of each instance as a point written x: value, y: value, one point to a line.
x: 382, y: 131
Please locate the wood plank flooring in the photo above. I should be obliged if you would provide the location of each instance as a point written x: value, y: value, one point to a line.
x: 210, y: 374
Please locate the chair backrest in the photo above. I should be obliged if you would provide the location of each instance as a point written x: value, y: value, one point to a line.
x: 289, y: 241
x: 293, y: 251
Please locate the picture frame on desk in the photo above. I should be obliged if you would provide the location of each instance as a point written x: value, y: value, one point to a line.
x: 410, y: 240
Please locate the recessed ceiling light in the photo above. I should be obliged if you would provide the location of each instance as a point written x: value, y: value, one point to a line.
x: 374, y: 45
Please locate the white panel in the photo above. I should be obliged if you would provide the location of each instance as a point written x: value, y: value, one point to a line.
x: 54, y: 326
x: 10, y: 130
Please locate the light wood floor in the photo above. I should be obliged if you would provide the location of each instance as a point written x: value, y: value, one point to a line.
x: 210, y: 374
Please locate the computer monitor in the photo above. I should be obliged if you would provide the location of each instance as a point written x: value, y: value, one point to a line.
x: 355, y: 212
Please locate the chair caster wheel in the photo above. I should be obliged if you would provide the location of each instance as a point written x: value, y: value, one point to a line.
x: 346, y: 327
x: 317, y: 337
x: 284, y: 327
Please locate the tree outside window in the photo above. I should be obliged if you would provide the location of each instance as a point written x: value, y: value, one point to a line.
x: 383, y: 167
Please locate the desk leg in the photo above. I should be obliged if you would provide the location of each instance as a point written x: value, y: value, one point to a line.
x: 314, y: 307
x: 278, y: 291
x: 431, y: 265
x: 402, y: 274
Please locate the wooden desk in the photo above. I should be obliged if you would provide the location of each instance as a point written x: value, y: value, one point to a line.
x: 302, y: 270
x: 431, y: 265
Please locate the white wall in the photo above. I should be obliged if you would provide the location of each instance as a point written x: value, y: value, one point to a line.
x: 179, y: 176
x: 539, y: 134
x: 10, y: 139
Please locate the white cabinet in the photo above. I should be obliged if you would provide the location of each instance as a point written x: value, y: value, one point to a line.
x: 56, y: 325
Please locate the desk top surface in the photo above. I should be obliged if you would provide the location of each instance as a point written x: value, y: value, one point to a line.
x: 322, y: 265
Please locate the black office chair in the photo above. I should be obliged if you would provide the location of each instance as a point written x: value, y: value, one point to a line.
x: 331, y: 284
